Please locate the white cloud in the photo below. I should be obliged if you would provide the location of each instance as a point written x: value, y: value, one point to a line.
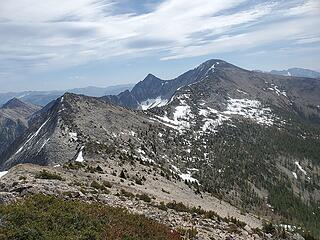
x: 36, y: 34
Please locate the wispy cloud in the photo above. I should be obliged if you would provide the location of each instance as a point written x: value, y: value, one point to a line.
x: 36, y: 35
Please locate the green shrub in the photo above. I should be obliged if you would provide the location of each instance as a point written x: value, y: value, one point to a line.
x: 98, y: 186
x: 123, y: 175
x: 179, y: 207
x: 126, y: 194
x: 74, y: 165
x: 269, y: 228
x: 22, y: 178
x: 189, y: 233
x: 107, y: 184
x: 40, y: 217
x: 44, y: 174
x: 144, y: 197
x: 162, y: 206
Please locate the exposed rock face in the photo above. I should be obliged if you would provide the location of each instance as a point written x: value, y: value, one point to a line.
x: 14, y: 121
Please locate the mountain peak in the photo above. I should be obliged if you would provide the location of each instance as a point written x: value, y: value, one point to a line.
x: 150, y: 78
x: 14, y: 103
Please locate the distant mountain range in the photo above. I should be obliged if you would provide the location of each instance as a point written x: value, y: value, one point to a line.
x: 297, y: 72
x: 42, y: 98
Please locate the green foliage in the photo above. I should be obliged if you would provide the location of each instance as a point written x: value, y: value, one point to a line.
x: 44, y: 174
x: 74, y: 165
x: 126, y: 194
x: 269, y: 228
x: 179, y: 207
x: 188, y: 233
x: 99, y: 186
x: 41, y: 217
x: 144, y: 197
x: 295, y: 210
x: 123, y: 175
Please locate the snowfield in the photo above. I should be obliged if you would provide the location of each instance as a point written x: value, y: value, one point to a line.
x: 251, y: 109
x: 151, y: 103
x: 183, y: 118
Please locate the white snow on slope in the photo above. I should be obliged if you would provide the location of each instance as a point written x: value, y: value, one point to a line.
x: 42, y: 146
x: 251, y: 109
x: 32, y: 136
x: 295, y: 175
x: 80, y: 156
x: 212, y: 124
x: 151, y: 103
x: 212, y: 68
x: 242, y: 92
x: 212, y: 118
x: 276, y: 89
x: 180, y: 120
x: 3, y: 173
x: 73, y: 136
x: 187, y: 176
x: 300, y: 168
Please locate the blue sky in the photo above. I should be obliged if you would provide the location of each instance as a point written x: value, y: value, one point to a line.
x: 59, y: 44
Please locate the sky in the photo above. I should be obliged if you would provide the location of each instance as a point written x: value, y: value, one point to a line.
x: 59, y: 44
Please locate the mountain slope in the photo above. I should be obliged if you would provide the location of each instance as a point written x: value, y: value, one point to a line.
x: 71, y: 122
x: 252, y: 139
x: 297, y: 72
x: 13, y: 121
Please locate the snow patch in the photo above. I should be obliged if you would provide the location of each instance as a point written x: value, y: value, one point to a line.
x: 151, y: 103
x: 187, y: 176
x: 277, y: 90
x: 300, y: 168
x: 42, y: 146
x: 3, y: 173
x: 212, y: 68
x: 295, y: 175
x: 181, y: 117
x: 32, y: 136
x: 80, y: 155
x: 251, y: 109
x: 73, y: 136
x: 212, y: 124
x: 242, y: 92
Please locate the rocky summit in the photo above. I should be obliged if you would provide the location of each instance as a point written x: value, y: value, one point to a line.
x: 219, y: 152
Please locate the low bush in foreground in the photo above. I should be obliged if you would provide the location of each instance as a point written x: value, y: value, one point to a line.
x: 47, y: 217
x: 44, y: 174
